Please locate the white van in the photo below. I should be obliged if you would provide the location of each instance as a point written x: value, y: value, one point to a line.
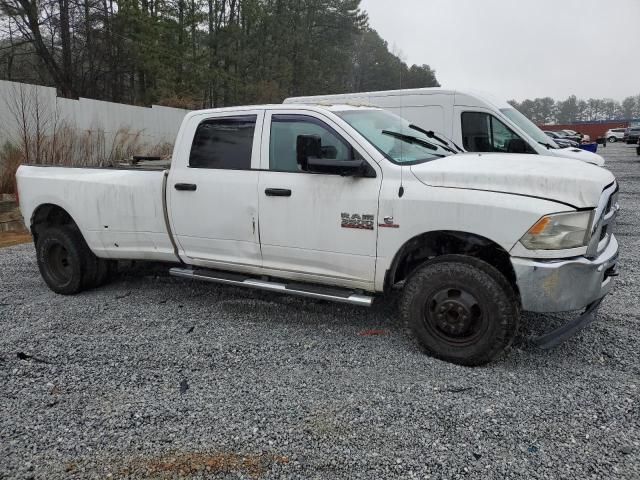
x: 476, y: 121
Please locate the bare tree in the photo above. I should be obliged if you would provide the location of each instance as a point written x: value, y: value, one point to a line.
x: 29, y: 16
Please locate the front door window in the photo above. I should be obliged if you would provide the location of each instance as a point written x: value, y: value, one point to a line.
x: 482, y: 132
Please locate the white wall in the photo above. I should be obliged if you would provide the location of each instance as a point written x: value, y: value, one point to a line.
x: 157, y: 124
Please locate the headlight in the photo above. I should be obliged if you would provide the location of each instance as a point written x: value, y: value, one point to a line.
x: 559, y: 231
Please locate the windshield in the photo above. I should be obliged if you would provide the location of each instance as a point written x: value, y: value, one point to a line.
x: 394, y: 137
x: 528, y: 126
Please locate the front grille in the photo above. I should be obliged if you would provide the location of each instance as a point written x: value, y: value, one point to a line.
x: 602, y: 228
x: 604, y: 233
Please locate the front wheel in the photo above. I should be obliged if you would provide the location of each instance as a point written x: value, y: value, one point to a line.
x: 613, y: 139
x: 461, y: 309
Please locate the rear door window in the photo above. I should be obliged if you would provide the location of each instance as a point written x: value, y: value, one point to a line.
x: 223, y: 143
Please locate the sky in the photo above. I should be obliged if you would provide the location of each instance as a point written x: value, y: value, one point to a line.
x: 518, y: 49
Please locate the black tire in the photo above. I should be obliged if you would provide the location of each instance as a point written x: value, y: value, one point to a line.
x: 60, y: 259
x: 461, y: 309
x: 106, y: 270
x: 613, y: 139
x: 97, y: 271
x: 91, y: 267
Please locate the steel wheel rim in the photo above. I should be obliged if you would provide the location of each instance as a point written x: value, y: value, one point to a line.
x: 454, y: 315
x: 59, y: 263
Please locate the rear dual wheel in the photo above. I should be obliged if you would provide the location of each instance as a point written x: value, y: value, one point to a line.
x: 461, y: 309
x: 66, y: 263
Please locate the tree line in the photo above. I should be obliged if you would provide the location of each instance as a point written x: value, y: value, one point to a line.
x: 546, y: 111
x: 199, y: 53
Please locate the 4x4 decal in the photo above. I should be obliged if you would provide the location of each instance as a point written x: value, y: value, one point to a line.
x: 361, y: 222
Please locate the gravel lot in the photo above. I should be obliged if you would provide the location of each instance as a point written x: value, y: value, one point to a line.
x: 156, y: 377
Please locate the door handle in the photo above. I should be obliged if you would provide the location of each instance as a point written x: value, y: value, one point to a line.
x: 188, y: 187
x: 278, y: 192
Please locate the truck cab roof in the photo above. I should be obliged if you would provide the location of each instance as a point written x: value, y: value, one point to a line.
x: 314, y: 106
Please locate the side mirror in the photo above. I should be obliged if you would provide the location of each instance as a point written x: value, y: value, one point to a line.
x: 346, y: 168
x: 313, y: 157
x: 307, y: 146
x: 329, y: 151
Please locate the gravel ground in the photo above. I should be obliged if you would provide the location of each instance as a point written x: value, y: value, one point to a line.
x: 156, y: 377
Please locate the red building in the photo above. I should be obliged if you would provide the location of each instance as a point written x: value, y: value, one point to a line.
x: 594, y: 129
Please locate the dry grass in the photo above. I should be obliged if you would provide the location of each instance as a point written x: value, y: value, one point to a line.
x: 90, y: 148
x: 189, y: 103
x: 10, y: 160
x: 164, y: 150
x: 73, y: 148
x: 40, y: 135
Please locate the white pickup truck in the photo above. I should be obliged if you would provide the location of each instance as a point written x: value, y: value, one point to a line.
x: 344, y: 203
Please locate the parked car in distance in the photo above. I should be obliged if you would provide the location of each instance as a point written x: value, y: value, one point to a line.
x: 574, y: 137
x: 614, y: 134
x: 632, y: 135
x: 561, y: 141
x: 573, y: 133
x: 577, y: 136
x: 344, y: 203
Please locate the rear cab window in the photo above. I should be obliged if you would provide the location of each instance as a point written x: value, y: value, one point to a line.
x: 223, y: 143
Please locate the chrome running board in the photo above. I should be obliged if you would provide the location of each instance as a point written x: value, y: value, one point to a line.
x: 300, y: 289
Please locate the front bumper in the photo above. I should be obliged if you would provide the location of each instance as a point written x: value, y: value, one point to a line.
x: 564, y: 285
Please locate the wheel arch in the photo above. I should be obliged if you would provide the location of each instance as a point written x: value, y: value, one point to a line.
x: 49, y: 214
x: 429, y: 245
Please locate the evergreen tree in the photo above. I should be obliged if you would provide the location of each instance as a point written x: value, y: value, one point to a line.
x: 198, y: 53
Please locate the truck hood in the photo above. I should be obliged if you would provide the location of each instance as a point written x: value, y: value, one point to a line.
x: 563, y: 180
x: 578, y: 154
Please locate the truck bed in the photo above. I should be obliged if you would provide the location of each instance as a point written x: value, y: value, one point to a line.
x: 119, y: 209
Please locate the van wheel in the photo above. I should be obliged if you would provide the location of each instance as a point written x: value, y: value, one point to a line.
x: 613, y: 139
x: 461, y: 309
x: 60, y: 259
